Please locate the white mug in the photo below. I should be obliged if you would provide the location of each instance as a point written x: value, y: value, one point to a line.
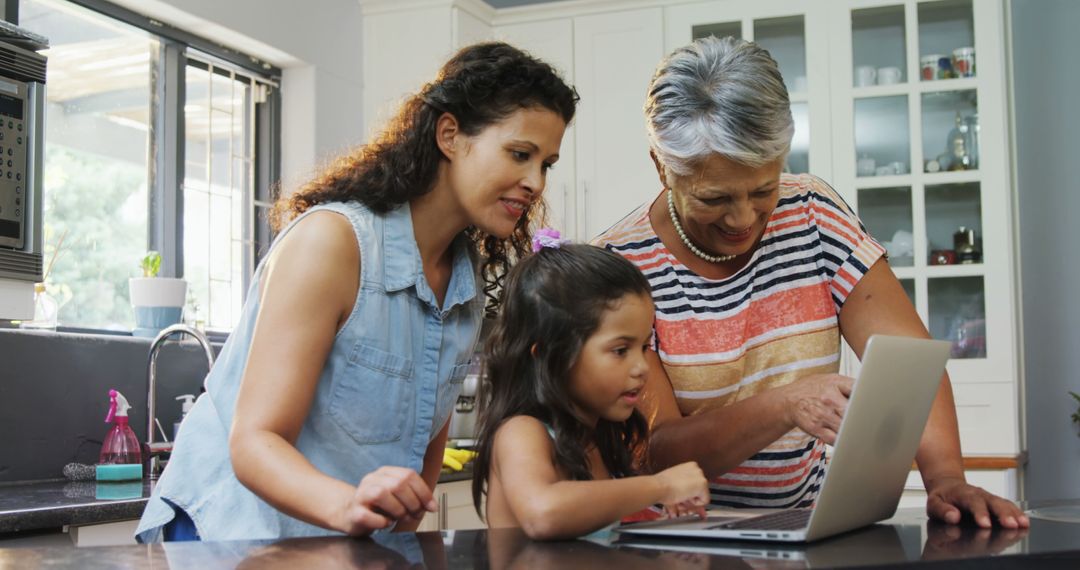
x: 888, y: 75
x: 865, y: 75
x: 898, y: 167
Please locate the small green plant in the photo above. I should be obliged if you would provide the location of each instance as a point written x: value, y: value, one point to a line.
x: 151, y: 264
x: 1076, y: 415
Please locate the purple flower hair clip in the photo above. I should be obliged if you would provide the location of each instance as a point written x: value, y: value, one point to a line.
x: 547, y: 237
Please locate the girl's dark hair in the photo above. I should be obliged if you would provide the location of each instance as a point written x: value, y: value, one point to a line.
x: 555, y: 300
x: 481, y: 85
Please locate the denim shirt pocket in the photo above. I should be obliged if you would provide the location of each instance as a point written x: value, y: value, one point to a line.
x: 449, y: 392
x: 370, y: 399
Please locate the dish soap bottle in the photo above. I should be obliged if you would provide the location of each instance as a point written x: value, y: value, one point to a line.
x: 120, y: 445
x: 188, y: 402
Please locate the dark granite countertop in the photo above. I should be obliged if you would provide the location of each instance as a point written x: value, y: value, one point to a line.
x: 906, y: 539
x: 53, y: 503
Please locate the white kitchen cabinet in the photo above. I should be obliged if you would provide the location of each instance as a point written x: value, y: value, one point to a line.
x: 405, y: 43
x: 796, y: 35
x: 604, y: 168
x: 898, y: 162
x: 553, y: 42
x: 116, y: 533
x: 104, y: 534
x: 615, y: 55
x: 935, y: 189
x: 456, y: 510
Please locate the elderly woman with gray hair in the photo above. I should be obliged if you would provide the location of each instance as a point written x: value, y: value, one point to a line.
x: 755, y: 275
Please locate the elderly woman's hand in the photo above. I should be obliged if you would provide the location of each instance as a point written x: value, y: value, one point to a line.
x: 948, y: 498
x: 816, y: 404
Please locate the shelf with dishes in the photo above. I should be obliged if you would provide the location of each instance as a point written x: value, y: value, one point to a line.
x: 926, y: 178
x: 920, y: 144
x: 892, y: 89
x: 950, y: 233
x: 948, y: 135
x: 936, y: 271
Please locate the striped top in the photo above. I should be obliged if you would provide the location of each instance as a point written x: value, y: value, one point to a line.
x: 772, y: 322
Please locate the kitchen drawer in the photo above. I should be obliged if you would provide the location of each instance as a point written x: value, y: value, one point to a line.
x: 456, y: 510
x: 987, y: 413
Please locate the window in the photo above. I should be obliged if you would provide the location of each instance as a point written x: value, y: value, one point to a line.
x: 219, y: 179
x: 96, y: 157
x: 155, y: 139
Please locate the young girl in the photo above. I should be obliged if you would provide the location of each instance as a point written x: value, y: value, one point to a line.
x: 327, y: 410
x: 559, y: 432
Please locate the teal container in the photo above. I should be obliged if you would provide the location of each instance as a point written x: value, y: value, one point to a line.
x: 119, y: 472
x: 149, y: 321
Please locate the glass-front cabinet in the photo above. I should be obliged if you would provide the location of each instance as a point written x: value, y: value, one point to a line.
x: 901, y: 106
x: 796, y: 35
x: 920, y: 150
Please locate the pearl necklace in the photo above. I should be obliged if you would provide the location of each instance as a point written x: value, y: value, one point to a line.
x: 686, y: 241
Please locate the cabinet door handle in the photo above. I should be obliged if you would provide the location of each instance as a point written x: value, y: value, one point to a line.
x: 565, y: 214
x: 584, y: 208
x: 443, y: 517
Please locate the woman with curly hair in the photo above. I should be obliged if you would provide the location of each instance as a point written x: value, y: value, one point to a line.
x: 327, y: 411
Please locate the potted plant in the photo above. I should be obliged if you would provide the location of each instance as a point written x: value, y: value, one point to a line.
x: 158, y: 301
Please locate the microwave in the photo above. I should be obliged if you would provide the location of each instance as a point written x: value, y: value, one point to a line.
x: 22, y: 109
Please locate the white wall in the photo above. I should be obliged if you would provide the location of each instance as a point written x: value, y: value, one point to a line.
x: 1045, y: 86
x: 317, y: 43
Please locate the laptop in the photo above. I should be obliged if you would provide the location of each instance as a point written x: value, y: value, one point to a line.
x: 877, y: 441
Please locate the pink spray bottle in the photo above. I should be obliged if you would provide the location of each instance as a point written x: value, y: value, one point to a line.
x: 120, y: 445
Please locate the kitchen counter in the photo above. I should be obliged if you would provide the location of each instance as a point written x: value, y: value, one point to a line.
x: 905, y: 539
x: 54, y: 503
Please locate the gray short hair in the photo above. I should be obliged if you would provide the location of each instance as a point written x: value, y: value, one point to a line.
x: 721, y: 96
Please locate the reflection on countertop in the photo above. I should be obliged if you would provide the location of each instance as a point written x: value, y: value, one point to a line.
x: 905, y: 539
x: 53, y: 503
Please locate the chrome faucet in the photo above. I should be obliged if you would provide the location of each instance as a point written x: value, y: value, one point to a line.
x: 151, y: 385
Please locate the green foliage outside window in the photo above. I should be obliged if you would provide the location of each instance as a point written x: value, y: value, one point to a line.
x: 101, y: 203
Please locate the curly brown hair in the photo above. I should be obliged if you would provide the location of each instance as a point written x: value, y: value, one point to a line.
x: 482, y: 84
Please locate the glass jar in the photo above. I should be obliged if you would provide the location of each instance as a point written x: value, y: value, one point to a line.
x: 45, y: 310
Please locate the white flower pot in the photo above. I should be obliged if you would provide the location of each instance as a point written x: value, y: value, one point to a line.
x: 158, y: 303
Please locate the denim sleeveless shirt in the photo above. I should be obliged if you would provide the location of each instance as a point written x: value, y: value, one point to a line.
x: 389, y: 383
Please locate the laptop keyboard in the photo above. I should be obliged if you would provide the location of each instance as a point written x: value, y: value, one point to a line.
x: 790, y: 519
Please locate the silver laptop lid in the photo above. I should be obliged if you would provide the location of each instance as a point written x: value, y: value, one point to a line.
x: 880, y: 433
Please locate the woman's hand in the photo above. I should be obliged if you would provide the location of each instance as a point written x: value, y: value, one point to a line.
x: 816, y: 404
x: 686, y: 491
x: 948, y: 498
x: 384, y: 496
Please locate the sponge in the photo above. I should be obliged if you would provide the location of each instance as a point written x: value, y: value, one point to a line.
x: 79, y: 472
x: 119, y: 472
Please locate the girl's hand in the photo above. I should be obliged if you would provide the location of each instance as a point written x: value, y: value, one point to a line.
x: 685, y: 508
x: 384, y: 496
x: 686, y: 490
